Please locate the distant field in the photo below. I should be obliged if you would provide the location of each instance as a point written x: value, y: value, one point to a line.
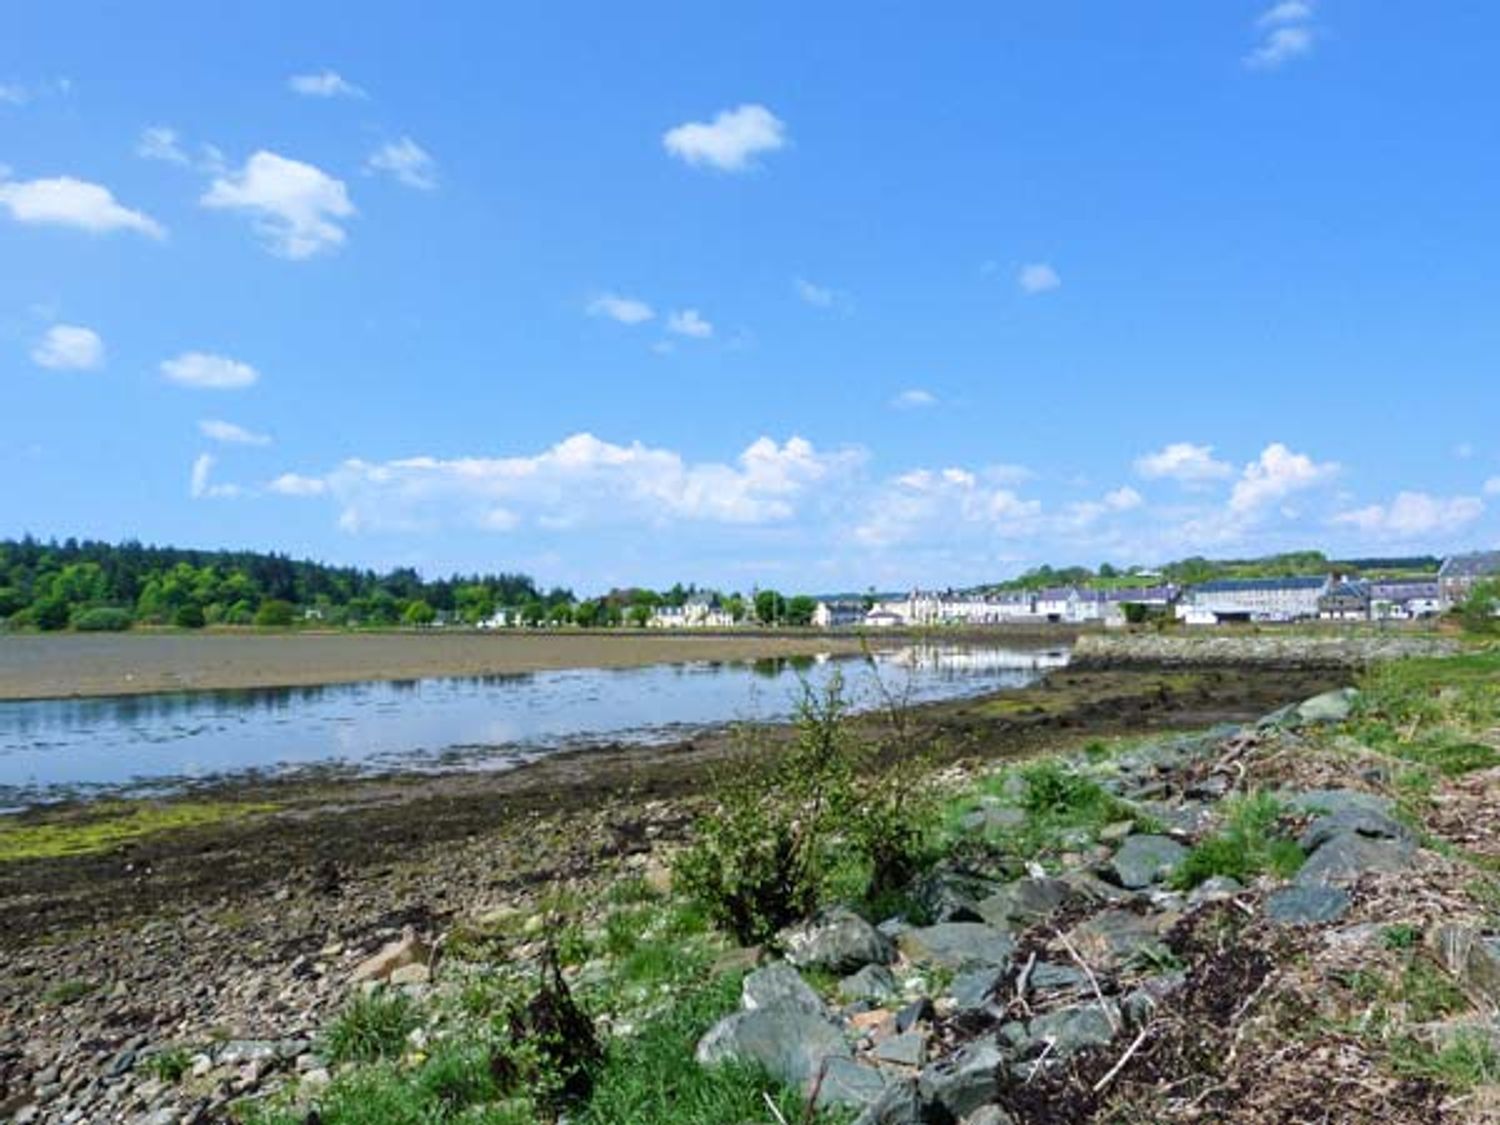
x: 45, y: 667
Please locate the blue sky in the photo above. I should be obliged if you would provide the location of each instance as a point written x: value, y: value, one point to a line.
x: 820, y: 298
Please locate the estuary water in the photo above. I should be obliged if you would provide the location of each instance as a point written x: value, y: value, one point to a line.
x: 58, y: 748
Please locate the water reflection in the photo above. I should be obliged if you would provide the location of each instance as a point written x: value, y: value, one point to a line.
x: 50, y: 747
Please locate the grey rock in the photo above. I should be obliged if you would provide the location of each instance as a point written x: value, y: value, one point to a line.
x: 1143, y: 860
x: 792, y: 1044
x: 873, y: 982
x: 917, y: 1012
x: 839, y: 941
x: 120, y: 1064
x: 1306, y: 904
x: 972, y: 988
x: 1353, y: 819
x: 965, y: 1080
x: 1330, y: 802
x: 1111, y: 938
x: 1071, y: 1029
x: 899, y: 1104
x: 849, y: 1084
x: 237, y: 1052
x: 989, y: 1115
x: 955, y: 945
x: 1330, y: 707
x: 1025, y: 901
x: 1346, y: 857
x: 909, y: 1049
x: 778, y: 985
x: 949, y: 896
x: 1214, y: 888
x: 993, y: 818
x: 1471, y: 956
x: 1141, y: 1004
x: 1047, y: 977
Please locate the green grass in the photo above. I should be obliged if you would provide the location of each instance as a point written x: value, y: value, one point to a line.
x: 168, y: 1066
x: 109, y: 824
x: 373, y: 1026
x: 1469, y: 1060
x: 1402, y: 935
x: 1428, y: 992
x: 1248, y: 845
x: 68, y: 992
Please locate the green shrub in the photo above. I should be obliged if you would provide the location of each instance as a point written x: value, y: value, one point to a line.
x: 168, y: 1066
x: 373, y: 1026
x: 1248, y: 845
x: 274, y: 614
x: 189, y: 617
x: 102, y: 619
x: 50, y: 613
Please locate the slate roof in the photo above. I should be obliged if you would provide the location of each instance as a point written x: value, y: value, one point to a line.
x: 1245, y: 585
x: 1481, y: 564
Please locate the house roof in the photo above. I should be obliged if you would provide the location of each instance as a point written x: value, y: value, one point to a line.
x: 1246, y: 585
x: 1480, y: 564
x: 1398, y: 588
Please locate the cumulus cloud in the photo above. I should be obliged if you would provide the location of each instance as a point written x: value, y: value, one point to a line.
x: 323, y: 84
x: 408, y: 162
x: 731, y: 141
x: 1086, y: 513
x: 1276, y: 474
x: 951, y: 503
x: 295, y: 206
x: 689, y: 322
x: 581, y: 481
x: 207, y: 371
x: 1414, y: 514
x: 914, y: 399
x: 625, y: 310
x: 230, y: 434
x: 294, y: 484
x: 1037, y: 277
x: 69, y: 347
x: 1286, y: 32
x: 200, y: 484
x: 65, y: 201
x: 1184, y: 462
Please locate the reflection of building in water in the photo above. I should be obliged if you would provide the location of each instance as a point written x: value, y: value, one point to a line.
x: 947, y: 658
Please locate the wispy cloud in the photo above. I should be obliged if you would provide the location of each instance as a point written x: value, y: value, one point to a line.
x: 200, y: 482
x: 690, y: 323
x: 1413, y: 515
x: 407, y: 162
x: 68, y: 202
x: 323, y: 84
x: 205, y: 371
x: 731, y: 141
x: 625, y: 310
x: 1286, y: 32
x: 914, y: 399
x: 1038, y: 277
x: 230, y: 434
x: 69, y: 347
x: 296, y: 207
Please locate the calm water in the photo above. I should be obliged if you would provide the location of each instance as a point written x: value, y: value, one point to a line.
x: 55, y: 748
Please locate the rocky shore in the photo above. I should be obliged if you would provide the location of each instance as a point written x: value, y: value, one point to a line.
x: 1270, y: 648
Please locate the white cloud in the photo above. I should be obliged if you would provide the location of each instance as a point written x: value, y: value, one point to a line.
x: 211, y: 372
x: 201, y: 487
x: 688, y: 322
x: 821, y: 296
x: 731, y: 142
x: 1287, y: 33
x: 1086, y: 513
x: 230, y: 434
x: 1492, y: 486
x: 914, y: 399
x: 293, y: 484
x: 69, y: 347
x: 626, y: 310
x: 13, y: 93
x: 22, y: 93
x: 69, y: 202
x: 1038, y: 277
x: 323, y: 84
x: 1415, y: 514
x: 407, y: 161
x: 294, y: 205
x: 579, y: 481
x: 1123, y: 499
x: 159, y: 142
x: 947, y: 503
x: 1184, y: 462
x: 1275, y: 475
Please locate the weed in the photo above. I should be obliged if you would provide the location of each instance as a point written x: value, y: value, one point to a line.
x: 373, y: 1026
x: 1248, y: 845
x: 1469, y: 1060
x: 168, y: 1066
x: 1428, y: 992
x: 68, y: 992
x: 1402, y: 935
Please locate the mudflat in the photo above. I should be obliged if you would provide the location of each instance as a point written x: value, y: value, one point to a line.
x: 53, y: 667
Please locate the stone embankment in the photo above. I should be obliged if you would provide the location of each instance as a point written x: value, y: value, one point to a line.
x: 1271, y: 649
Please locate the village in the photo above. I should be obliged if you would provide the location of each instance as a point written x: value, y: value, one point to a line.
x: 1329, y: 597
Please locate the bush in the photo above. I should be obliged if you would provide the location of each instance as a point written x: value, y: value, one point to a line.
x: 274, y: 614
x: 103, y: 619
x: 372, y: 1027
x: 50, y: 613
x: 189, y: 617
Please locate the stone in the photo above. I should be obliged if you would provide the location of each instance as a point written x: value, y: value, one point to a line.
x: 1346, y: 857
x: 899, y: 1104
x: 1069, y: 1030
x: 950, y: 896
x: 1307, y: 904
x: 993, y: 818
x: 408, y: 950
x: 964, y: 1081
x: 1024, y: 901
x: 839, y: 941
x: 873, y: 982
x: 1369, y: 822
x: 1112, y: 938
x: 917, y: 1012
x: 1472, y: 957
x: 1141, y: 1004
x: 972, y: 988
x: 315, y: 1081
x: 1115, y: 831
x: 1143, y: 860
x: 416, y: 974
x: 1330, y: 802
x: 848, y: 1084
x: 791, y: 1043
x: 778, y: 985
x: 1046, y: 977
x: 956, y: 945
x: 989, y: 1115
x: 909, y: 1049
x: 120, y: 1064
x: 1214, y: 888
x: 1330, y: 707
x: 237, y: 1052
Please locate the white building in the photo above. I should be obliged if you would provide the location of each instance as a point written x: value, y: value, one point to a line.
x: 701, y: 611
x: 1253, y: 599
x: 1404, y: 600
x: 839, y: 613
x: 500, y: 619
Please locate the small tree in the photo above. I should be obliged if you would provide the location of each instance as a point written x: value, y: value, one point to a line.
x: 418, y: 612
x: 1477, y: 612
x: 274, y: 614
x: 189, y: 616
x: 799, y: 610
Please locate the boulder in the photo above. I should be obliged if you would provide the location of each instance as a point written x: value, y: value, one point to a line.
x: 956, y: 945
x: 848, y: 1084
x: 778, y: 985
x: 1307, y: 904
x: 1472, y: 957
x: 1140, y: 1005
x: 1018, y: 904
x: 407, y: 950
x: 1143, y: 860
x: 972, y: 988
x: 1047, y: 977
x: 874, y: 982
x: 964, y: 1081
x: 908, y: 1049
x: 790, y: 1043
x: 1359, y: 820
x: 898, y: 1104
x: 1214, y: 888
x: 1112, y: 938
x: 1329, y: 802
x: 1330, y: 707
x: 1347, y: 856
x: 839, y: 941
x: 1069, y: 1030
x: 950, y: 896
